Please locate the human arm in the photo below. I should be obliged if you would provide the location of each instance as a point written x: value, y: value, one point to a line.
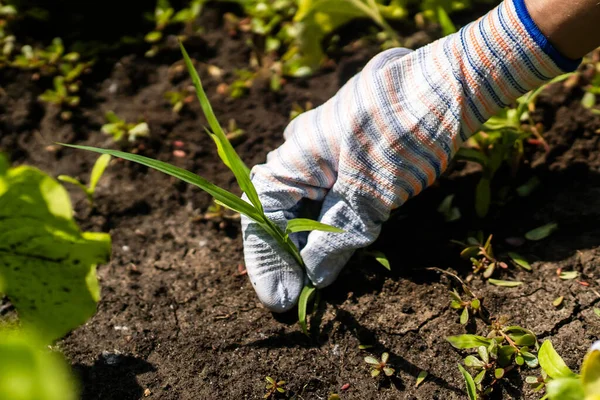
x: 386, y: 136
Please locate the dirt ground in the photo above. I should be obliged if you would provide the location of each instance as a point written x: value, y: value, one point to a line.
x: 177, y: 320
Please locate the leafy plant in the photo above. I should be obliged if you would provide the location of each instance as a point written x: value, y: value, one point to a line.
x: 378, y: 366
x: 220, y: 215
x: 118, y: 128
x: 252, y: 209
x: 501, y: 141
x: 473, y: 304
x: 60, y: 96
x: 273, y: 387
x: 481, y: 255
x: 502, y: 350
x: 97, y: 171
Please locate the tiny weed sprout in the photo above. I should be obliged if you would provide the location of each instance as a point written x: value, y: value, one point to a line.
x: 234, y: 133
x: 178, y: 99
x: 61, y: 96
x: 222, y: 216
x: 481, y: 256
x: 378, y: 366
x: 502, y: 350
x: 118, y: 128
x: 252, y: 209
x: 273, y: 387
x: 380, y: 257
x: 97, y: 172
x: 560, y: 382
x: 467, y: 307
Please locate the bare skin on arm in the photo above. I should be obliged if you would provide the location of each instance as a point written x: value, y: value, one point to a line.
x: 572, y: 26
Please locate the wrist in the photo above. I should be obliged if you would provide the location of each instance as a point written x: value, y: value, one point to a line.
x: 570, y: 25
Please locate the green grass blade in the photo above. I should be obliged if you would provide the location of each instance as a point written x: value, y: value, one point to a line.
x: 304, y: 224
x: 305, y: 297
x: 225, y: 197
x: 224, y: 147
x: 98, y: 170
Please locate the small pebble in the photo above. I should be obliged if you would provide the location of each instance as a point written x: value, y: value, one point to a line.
x: 178, y: 143
x: 202, y: 243
x: 147, y: 392
x: 125, y: 248
x: 346, y: 386
x: 179, y: 153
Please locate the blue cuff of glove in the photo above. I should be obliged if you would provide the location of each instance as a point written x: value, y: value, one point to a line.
x: 564, y: 63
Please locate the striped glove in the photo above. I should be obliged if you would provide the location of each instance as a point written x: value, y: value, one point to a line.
x: 383, y: 138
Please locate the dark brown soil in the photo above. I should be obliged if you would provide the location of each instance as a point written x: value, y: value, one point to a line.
x: 179, y: 321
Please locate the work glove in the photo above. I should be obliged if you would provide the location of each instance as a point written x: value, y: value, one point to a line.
x: 384, y: 137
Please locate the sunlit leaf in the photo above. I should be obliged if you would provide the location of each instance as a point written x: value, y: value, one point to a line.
x: 303, y: 224
x: 421, y: 377
x: 558, y: 301
x: 520, y: 260
x: 568, y: 275
x: 590, y: 373
x: 464, y: 316
x: 306, y: 295
x: 98, y: 170
x: 565, y: 389
x: 552, y: 363
x: 468, y: 341
x: 499, y: 282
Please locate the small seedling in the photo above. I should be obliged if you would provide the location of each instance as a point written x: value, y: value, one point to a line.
x: 233, y: 132
x: 421, y: 378
x: 473, y: 304
x: 449, y: 212
x: 377, y: 366
x: 118, y: 128
x: 273, y: 387
x: 61, y: 96
x: 242, y: 84
x: 380, y: 257
x: 252, y: 209
x: 97, y: 172
x: 178, y: 99
x: 502, y: 350
x: 220, y: 215
x: 481, y: 256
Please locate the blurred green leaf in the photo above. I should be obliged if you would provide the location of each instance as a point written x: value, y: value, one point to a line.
x: 471, y: 389
x: 303, y: 224
x: 305, y: 296
x: 520, y: 260
x: 565, y: 389
x: 47, y: 264
x: 499, y: 282
x: 541, y: 232
x: 468, y: 341
x: 552, y: 363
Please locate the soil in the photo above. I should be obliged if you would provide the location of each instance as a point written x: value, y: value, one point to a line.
x: 177, y: 319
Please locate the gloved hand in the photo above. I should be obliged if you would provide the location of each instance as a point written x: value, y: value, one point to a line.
x: 383, y: 138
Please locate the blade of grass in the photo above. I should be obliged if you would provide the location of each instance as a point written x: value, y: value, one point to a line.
x: 98, y: 170
x: 225, y: 197
x: 305, y: 296
x: 304, y: 224
x: 224, y: 147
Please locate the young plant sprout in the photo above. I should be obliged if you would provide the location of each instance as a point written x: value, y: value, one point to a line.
x: 297, y: 109
x: 97, y: 172
x: 118, y: 128
x: 377, y: 366
x: 458, y: 303
x: 178, y: 99
x: 502, y: 350
x: 273, y: 387
x: 61, y: 96
x: 233, y: 132
x: 220, y: 215
x: 252, y: 209
x: 481, y: 256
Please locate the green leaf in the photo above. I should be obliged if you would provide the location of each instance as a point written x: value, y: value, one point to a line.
x: 446, y: 23
x: 568, y: 275
x: 228, y: 199
x: 528, y: 187
x: 470, y: 251
x: 72, y: 181
x: 306, y: 295
x: 224, y: 147
x: 388, y: 371
x: 470, y: 154
x: 471, y: 389
x: 98, y: 170
x: 48, y: 266
x: 153, y: 37
x: 565, y: 389
x: 464, y: 316
x: 482, y: 197
x: 468, y: 341
x: 520, y: 260
x: 421, y: 377
x: 590, y: 373
x: 499, y: 373
x: 530, y: 359
x: 558, y: 301
x: 499, y: 282
x: 505, y: 354
x: 472, y: 361
x: 304, y: 224
x: 475, y: 304
x: 541, y: 232
x: 552, y: 363
x: 597, y: 311
x: 29, y: 371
